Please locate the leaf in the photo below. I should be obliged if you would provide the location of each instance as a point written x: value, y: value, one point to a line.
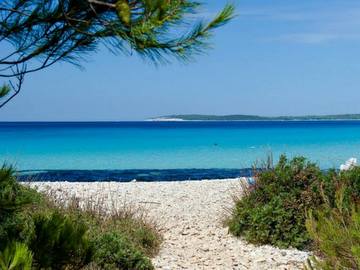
x: 16, y: 256
x: 123, y: 11
x: 4, y: 90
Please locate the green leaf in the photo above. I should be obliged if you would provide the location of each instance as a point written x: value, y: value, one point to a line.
x: 123, y: 11
x: 4, y: 90
x: 16, y: 256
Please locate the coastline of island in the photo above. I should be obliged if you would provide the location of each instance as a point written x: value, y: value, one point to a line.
x: 241, y: 117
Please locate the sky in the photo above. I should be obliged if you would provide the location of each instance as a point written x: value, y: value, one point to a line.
x: 277, y: 57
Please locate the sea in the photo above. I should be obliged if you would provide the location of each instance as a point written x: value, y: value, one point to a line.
x: 169, y: 151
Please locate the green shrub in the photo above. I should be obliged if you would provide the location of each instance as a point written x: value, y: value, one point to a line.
x: 349, y: 183
x: 131, y: 222
x: 60, y: 241
x: 272, y: 211
x: 114, y: 251
x: 16, y: 202
x: 66, y: 236
x: 142, y: 234
x: 335, y: 226
x: 16, y: 256
x: 337, y: 236
x: 13, y: 196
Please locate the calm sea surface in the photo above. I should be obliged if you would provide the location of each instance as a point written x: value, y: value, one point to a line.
x: 174, y: 145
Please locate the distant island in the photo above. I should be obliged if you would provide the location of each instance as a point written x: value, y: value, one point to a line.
x: 241, y: 117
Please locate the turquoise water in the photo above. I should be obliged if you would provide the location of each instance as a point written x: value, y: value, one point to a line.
x: 173, y: 145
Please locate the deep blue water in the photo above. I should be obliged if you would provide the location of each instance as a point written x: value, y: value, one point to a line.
x: 170, y: 150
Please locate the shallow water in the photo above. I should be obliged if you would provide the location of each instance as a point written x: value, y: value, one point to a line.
x: 174, y: 145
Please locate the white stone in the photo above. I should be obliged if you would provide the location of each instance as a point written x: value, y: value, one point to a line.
x: 190, y: 215
x: 349, y: 164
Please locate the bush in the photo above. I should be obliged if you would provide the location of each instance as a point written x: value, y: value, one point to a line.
x: 60, y: 241
x: 66, y: 236
x: 131, y: 222
x: 335, y: 226
x: 113, y: 251
x: 272, y: 210
x: 16, y: 202
x: 137, y: 230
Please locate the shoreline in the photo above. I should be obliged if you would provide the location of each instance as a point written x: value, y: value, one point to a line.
x: 190, y: 216
x: 139, y: 175
x: 171, y: 120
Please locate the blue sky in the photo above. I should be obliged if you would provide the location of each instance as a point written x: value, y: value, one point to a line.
x: 281, y: 57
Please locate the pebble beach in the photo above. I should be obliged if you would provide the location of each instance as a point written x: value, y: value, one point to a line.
x: 190, y: 215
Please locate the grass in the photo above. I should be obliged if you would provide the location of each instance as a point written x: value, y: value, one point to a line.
x: 104, y: 216
x: 54, y: 230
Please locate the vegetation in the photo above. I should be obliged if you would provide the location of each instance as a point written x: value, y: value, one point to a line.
x: 295, y: 204
x: 60, y: 240
x: 240, y: 117
x: 335, y: 225
x: 108, y: 256
x: 40, y: 33
x: 16, y: 256
x: 272, y: 211
x: 44, y: 233
x: 16, y: 202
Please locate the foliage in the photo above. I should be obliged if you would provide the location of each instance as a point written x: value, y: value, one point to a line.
x: 138, y: 230
x: 16, y: 256
x: 66, y: 236
x: 4, y: 90
x: 335, y: 226
x: 13, y: 197
x: 349, y: 181
x: 41, y: 33
x: 60, y: 241
x: 113, y: 251
x: 16, y: 202
x: 272, y: 211
x: 131, y: 222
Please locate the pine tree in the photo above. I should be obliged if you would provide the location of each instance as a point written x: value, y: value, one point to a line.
x: 44, y: 32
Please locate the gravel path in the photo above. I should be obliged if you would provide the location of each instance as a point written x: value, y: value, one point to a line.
x: 190, y: 216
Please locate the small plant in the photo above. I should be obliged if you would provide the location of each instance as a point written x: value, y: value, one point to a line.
x: 272, y: 210
x: 37, y: 231
x: 113, y: 251
x: 16, y: 202
x: 60, y: 241
x: 130, y: 221
x: 138, y: 230
x: 335, y: 228
x: 16, y: 256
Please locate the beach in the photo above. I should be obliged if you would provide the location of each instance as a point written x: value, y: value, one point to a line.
x: 190, y: 215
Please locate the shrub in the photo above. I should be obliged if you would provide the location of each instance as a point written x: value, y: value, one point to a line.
x: 16, y: 256
x: 60, y: 241
x: 122, y: 237
x: 347, y: 182
x: 63, y: 235
x: 272, y: 210
x: 16, y: 203
x: 113, y: 251
x: 13, y: 196
x: 335, y: 226
x: 136, y: 229
x: 131, y: 222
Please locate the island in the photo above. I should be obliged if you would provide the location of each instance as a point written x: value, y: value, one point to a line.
x: 243, y: 117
